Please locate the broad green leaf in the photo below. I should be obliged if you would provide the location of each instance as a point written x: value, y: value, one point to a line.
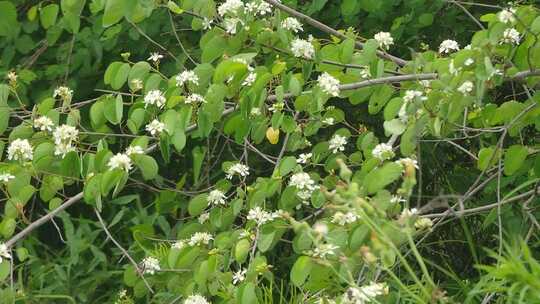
x: 115, y: 11
x: 114, y: 109
x: 514, y: 158
x: 148, y: 166
x: 198, y: 204
x: 241, y: 250
x: 301, y: 270
x: 48, y: 15
x: 381, y: 177
x: 8, y: 22
x: 286, y: 165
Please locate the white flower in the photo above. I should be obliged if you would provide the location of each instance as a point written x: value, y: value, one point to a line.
x: 200, y: 238
x: 134, y: 150
x: 264, y: 8
x: 337, y: 143
x: 12, y: 76
x: 63, y: 149
x: 260, y: 216
x: 511, y: 35
x: 329, y: 84
x: 150, y: 265
x: 43, y: 123
x: 230, y: 25
x: 466, y: 88
x: 185, y: 77
x: 407, y: 213
x: 4, y: 252
x: 154, y: 97
x: 423, y: 223
x: 207, y: 23
x: 278, y: 106
x: 239, y: 276
x: 384, y: 39
x: 122, y: 293
x: 324, y: 250
x: 204, y: 217
x: 5, y: 177
x: 469, y: 62
x: 343, y: 219
x: 448, y: 46
x: 302, y: 48
x: 303, y: 158
x: 292, y: 24
x: 365, y: 72
x: 216, y: 197
x: 155, y: 127
x: 320, y: 228
x: 179, y: 244
x: 304, y: 184
x: 507, y: 15
x: 63, y: 92
x: 120, y: 161
x: 411, y: 95
x: 364, y: 294
x: 64, y: 138
x: 383, y: 151
x: 195, y: 98
x: 250, y: 79
x: 20, y: 149
x: 396, y: 199
x: 231, y: 7
x: 407, y: 162
x: 196, y: 299
x: 155, y: 57
x: 237, y: 169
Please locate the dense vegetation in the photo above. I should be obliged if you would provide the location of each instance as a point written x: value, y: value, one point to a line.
x: 264, y: 151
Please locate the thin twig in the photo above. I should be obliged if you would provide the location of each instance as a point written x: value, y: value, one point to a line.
x: 124, y: 252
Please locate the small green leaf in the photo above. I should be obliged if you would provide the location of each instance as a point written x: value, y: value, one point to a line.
x: 48, y: 15
x: 115, y: 11
x: 383, y: 176
x: 241, y: 251
x: 514, y: 158
x: 300, y: 270
x: 114, y: 109
x: 148, y: 166
x: 198, y: 204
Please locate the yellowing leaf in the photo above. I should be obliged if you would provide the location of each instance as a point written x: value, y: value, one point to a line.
x: 272, y: 135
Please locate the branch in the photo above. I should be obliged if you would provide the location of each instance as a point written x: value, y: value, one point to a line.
x: 124, y: 252
x: 325, y: 28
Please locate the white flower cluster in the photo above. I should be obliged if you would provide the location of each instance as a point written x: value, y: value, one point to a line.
x: 154, y: 97
x: 466, y: 88
x: 407, y: 162
x: 321, y: 251
x: 329, y: 121
x: 384, y: 39
x: 383, y: 152
x: 337, y: 143
x: 204, y: 217
x: 20, y: 149
x: 187, y: 77
x: 195, y: 98
x: 150, y: 265
x: 250, y: 79
x: 200, y: 238
x: 196, y: 299
x: 396, y: 199
x: 155, y: 127
x: 6, y: 177
x: 120, y: 161
x: 364, y: 294
x: 292, y: 24
x: 411, y: 95
x: 304, y: 158
x: 4, y: 252
x: 328, y: 84
x: 134, y: 150
x: 507, y: 15
x: 407, y: 214
x: 65, y: 137
x: 237, y: 169
x: 423, y: 223
x: 448, y: 46
x: 261, y: 216
x: 511, y: 36
x: 230, y: 25
x: 231, y: 7
x: 43, y: 123
x: 343, y: 219
x: 304, y: 184
x: 12, y: 77
x: 216, y: 197
x: 64, y: 93
x: 259, y: 8
x: 302, y: 48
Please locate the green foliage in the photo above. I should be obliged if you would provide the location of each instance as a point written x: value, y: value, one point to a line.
x: 189, y: 149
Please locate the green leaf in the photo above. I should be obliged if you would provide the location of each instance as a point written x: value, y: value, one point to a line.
x: 198, y: 158
x: 300, y: 270
x: 114, y: 109
x: 4, y: 119
x: 241, y: 251
x: 379, y: 98
x: 71, y: 165
x: 394, y: 127
x: 147, y: 165
x: 486, y: 158
x: 514, y: 158
x: 248, y: 294
x: 120, y: 76
x: 8, y: 21
x: 382, y: 176
x: 286, y: 165
x: 198, y: 204
x: 139, y: 71
x: 48, y: 15
x: 5, y: 269
x: 115, y: 11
